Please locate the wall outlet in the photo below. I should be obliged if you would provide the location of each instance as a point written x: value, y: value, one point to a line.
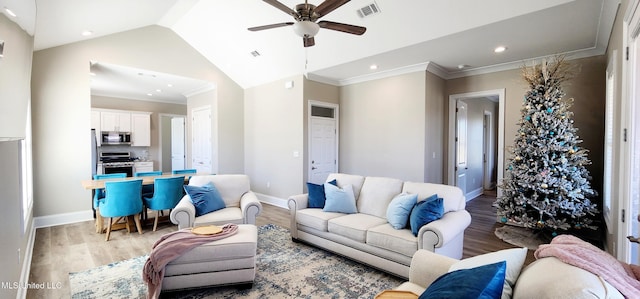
x: 268, y: 185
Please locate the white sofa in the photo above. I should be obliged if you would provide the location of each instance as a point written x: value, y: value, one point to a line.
x: 545, y: 278
x: 367, y: 236
x: 242, y: 205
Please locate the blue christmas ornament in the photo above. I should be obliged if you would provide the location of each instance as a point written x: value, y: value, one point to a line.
x: 549, y: 110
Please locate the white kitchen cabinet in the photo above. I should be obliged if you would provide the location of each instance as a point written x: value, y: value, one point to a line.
x: 144, y: 166
x: 140, y: 129
x: 115, y: 121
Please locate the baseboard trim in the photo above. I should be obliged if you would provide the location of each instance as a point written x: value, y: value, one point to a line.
x: 60, y: 219
x: 272, y: 200
x: 474, y: 193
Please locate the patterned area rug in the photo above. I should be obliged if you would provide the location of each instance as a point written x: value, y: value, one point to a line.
x: 284, y: 270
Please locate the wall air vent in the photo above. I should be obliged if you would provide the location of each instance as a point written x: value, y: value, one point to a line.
x: 369, y: 10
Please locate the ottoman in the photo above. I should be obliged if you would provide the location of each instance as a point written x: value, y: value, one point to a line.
x: 231, y: 260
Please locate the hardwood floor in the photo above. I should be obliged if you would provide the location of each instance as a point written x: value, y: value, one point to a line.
x: 76, y: 247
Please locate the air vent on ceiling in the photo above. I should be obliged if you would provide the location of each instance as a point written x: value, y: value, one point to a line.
x: 369, y: 10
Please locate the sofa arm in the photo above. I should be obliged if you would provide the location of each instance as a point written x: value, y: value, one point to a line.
x: 184, y: 214
x: 427, y: 266
x: 438, y: 233
x: 251, y: 207
x: 295, y: 203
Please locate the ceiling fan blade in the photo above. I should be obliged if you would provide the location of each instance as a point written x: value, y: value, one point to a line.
x: 280, y: 6
x: 328, y: 6
x: 308, y: 41
x: 346, y: 28
x: 258, y: 28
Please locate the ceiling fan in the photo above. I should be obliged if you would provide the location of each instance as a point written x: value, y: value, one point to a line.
x: 306, y: 16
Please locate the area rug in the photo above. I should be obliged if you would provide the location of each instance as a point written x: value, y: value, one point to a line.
x: 284, y: 270
x: 521, y: 237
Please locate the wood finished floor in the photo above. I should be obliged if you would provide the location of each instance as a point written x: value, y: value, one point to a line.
x: 76, y: 247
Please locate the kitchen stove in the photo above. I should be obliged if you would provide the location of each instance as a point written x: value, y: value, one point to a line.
x: 117, y: 162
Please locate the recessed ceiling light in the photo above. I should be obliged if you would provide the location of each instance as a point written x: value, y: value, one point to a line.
x: 461, y: 66
x: 169, y: 85
x: 159, y: 90
x: 373, y: 67
x: 150, y: 94
x: 87, y: 33
x: 500, y: 49
x: 10, y: 12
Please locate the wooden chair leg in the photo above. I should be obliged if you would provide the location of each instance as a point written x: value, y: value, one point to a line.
x: 136, y: 218
x: 155, y: 222
x: 99, y: 222
x: 126, y: 224
x: 109, y: 229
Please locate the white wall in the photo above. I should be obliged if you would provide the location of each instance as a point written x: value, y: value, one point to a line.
x: 274, y: 130
x: 382, y: 127
x: 61, y: 107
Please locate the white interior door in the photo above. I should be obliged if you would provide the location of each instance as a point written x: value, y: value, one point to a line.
x: 461, y: 145
x: 323, y: 140
x: 177, y: 143
x: 201, y: 140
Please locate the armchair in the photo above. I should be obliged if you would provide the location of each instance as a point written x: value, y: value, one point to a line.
x: 242, y: 205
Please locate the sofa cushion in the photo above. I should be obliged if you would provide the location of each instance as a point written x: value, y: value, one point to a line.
x: 205, y: 198
x: 481, y: 282
x: 376, y: 194
x: 453, y: 197
x: 551, y: 278
x: 340, y: 200
x: 354, y: 226
x: 315, y: 218
x: 343, y: 179
x: 231, y: 186
x: 400, y: 208
x: 220, y: 217
x: 386, y: 237
x: 424, y: 212
x: 316, y: 194
x: 514, y: 257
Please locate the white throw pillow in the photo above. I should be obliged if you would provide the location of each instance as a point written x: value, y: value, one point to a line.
x: 514, y: 257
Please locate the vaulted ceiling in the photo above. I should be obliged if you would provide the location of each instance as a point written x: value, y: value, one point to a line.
x: 454, y: 38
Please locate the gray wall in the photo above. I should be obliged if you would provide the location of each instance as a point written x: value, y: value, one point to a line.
x: 382, y: 127
x: 62, y: 105
x: 15, y: 94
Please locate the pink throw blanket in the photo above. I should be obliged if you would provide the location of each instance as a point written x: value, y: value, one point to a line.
x: 573, y: 251
x: 172, y: 246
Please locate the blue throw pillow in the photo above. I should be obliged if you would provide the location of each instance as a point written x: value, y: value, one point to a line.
x: 339, y: 200
x: 205, y: 199
x: 400, y: 208
x: 428, y: 210
x: 316, y: 194
x: 481, y: 282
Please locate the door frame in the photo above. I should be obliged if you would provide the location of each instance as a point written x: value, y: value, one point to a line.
x: 631, y: 26
x: 451, y: 156
x: 160, y: 131
x: 213, y: 142
x: 336, y: 119
x: 487, y: 140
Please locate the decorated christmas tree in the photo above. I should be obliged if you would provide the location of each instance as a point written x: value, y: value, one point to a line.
x: 547, y: 186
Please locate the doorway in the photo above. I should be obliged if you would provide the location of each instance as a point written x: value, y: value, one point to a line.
x: 202, y: 141
x: 323, y: 141
x: 477, y: 170
x: 172, y: 142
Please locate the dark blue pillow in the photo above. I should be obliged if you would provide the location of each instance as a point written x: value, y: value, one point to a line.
x: 316, y: 194
x: 425, y: 211
x: 481, y: 282
x: 205, y: 199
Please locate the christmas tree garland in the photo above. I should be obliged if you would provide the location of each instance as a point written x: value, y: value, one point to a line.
x: 547, y: 185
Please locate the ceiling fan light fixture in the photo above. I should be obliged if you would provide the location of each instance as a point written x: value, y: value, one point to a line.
x: 306, y: 28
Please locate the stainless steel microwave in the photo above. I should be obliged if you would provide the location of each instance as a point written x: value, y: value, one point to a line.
x: 115, y: 138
